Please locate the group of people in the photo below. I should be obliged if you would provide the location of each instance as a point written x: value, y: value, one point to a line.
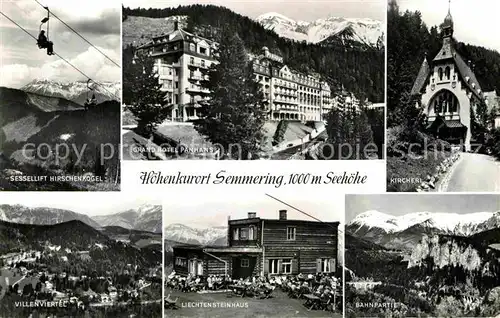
x: 321, y: 285
x: 192, y: 283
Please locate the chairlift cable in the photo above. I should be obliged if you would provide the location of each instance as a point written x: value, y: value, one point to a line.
x: 62, y: 58
x: 69, y: 27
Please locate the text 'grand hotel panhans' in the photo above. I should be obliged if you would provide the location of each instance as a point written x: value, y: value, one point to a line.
x: 182, y: 60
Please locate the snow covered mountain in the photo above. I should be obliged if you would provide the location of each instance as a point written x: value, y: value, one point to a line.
x: 75, y: 91
x: 404, y: 232
x: 367, y: 31
x: 188, y: 235
x: 40, y: 215
x: 145, y: 218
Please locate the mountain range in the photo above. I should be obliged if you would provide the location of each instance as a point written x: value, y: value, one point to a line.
x: 77, y: 92
x: 144, y: 218
x: 77, y: 236
x: 406, y: 231
x: 367, y: 31
x: 32, y: 118
x: 188, y: 235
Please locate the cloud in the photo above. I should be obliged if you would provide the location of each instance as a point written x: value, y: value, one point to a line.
x: 90, y: 62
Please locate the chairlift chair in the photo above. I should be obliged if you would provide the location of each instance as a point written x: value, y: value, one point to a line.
x: 47, y: 43
x: 91, y: 101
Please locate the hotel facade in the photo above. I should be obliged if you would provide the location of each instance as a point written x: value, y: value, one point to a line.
x: 182, y: 60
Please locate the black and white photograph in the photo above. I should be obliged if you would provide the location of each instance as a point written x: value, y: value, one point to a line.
x: 253, y: 255
x: 80, y: 255
x: 443, y: 95
x: 228, y: 79
x: 60, y: 95
x: 422, y: 255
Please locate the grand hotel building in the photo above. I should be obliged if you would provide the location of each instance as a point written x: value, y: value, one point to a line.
x: 182, y: 60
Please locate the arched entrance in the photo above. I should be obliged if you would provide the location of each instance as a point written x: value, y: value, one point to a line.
x: 444, y: 102
x: 444, y: 118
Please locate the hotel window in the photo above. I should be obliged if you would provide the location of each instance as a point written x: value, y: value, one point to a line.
x: 176, y: 84
x: 236, y: 234
x: 203, y: 63
x: 245, y: 262
x: 290, y: 233
x: 440, y: 74
x: 203, y: 50
x: 244, y: 233
x: 273, y: 266
x: 176, y: 99
x: 192, y: 47
x: 191, y: 60
x: 286, y: 266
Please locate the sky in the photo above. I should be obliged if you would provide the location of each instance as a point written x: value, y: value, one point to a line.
x: 295, y: 9
x: 21, y: 61
x: 401, y: 204
x: 89, y: 203
x: 476, y: 22
x: 208, y: 209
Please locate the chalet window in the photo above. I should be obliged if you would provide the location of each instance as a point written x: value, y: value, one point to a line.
x: 273, y: 266
x: 440, y: 73
x: 251, y: 233
x: 325, y: 265
x: 286, y: 266
x: 236, y: 234
x: 244, y: 233
x: 290, y: 233
x: 203, y: 50
x: 245, y: 262
x: 180, y: 261
x: 192, y: 47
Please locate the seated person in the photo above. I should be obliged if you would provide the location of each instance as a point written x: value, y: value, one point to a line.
x: 44, y: 43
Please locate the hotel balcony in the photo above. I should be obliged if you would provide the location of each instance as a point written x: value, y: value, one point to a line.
x: 285, y: 101
x: 281, y: 109
x: 198, y: 64
x: 197, y: 89
x: 195, y: 77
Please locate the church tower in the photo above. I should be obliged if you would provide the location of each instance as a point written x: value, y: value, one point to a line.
x: 448, y: 90
x: 447, y: 25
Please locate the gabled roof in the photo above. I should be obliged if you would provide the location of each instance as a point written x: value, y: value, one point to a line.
x: 448, y: 52
x: 466, y: 73
x: 422, y: 76
x: 174, y: 36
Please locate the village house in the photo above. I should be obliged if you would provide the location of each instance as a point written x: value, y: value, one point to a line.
x: 259, y: 246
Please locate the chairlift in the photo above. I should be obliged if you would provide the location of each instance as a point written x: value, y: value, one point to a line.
x: 91, y: 101
x: 43, y: 39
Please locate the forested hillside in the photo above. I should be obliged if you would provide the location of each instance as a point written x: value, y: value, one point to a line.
x: 359, y: 68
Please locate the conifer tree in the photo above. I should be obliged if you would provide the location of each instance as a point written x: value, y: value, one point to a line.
x: 146, y: 99
x: 234, y: 113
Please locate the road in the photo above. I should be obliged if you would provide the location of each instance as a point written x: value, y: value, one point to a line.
x: 473, y: 173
